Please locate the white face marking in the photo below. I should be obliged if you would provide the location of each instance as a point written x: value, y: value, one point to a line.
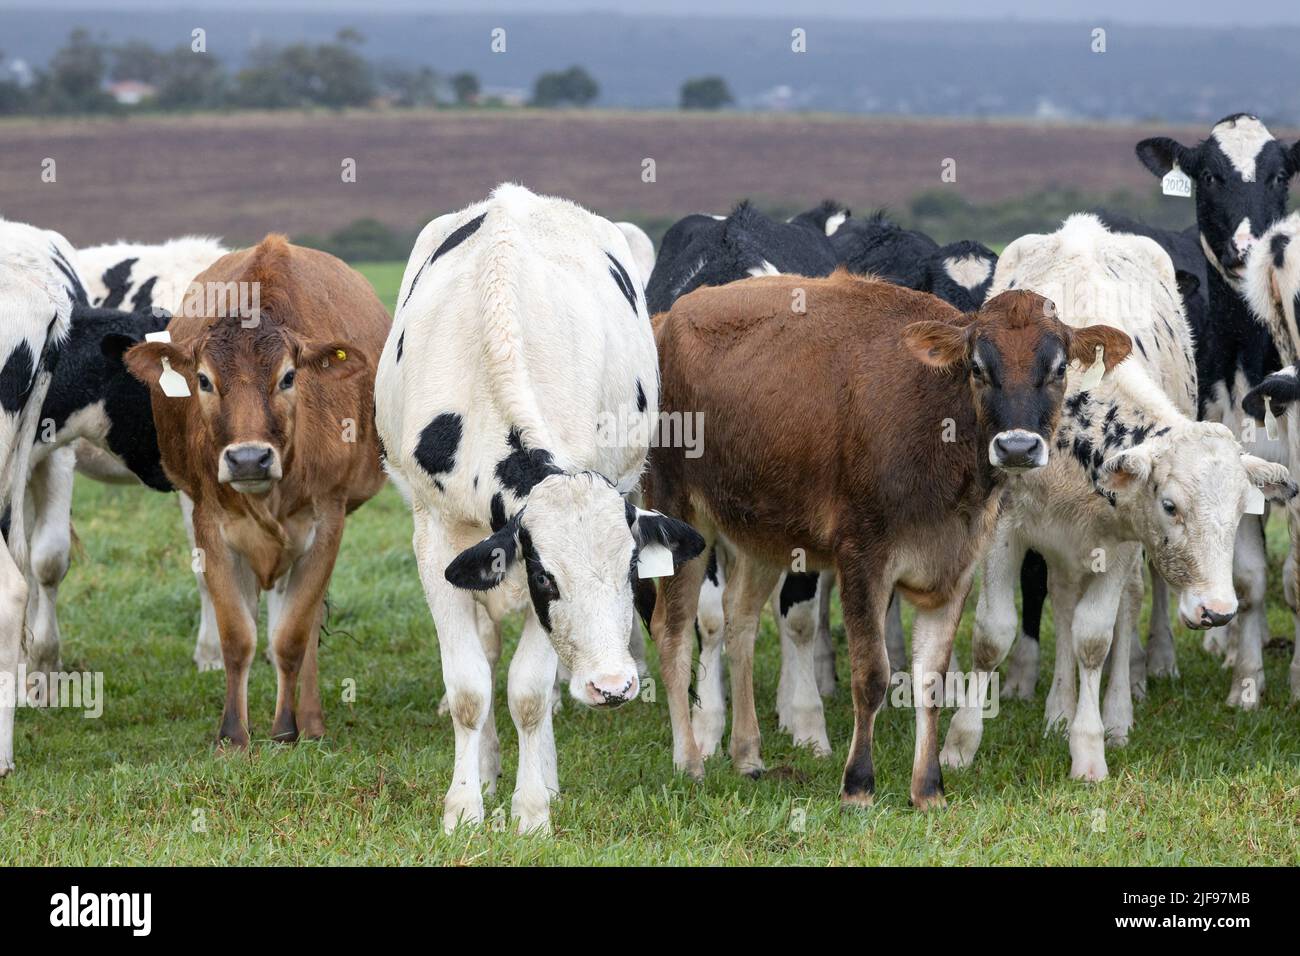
x: 968, y: 272
x: 1241, y: 140
x: 834, y: 222
x: 1243, y: 238
x: 764, y: 269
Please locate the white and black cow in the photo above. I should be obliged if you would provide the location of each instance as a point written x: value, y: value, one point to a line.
x: 514, y: 399
x: 1138, y: 472
x: 38, y: 286
x: 1242, y: 176
x: 1273, y: 291
x: 825, y: 218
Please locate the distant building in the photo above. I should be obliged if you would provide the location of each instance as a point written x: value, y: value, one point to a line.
x: 503, y: 95
x: 18, y: 72
x: 131, y: 92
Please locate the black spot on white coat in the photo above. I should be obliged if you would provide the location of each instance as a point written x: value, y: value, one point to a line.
x: 436, y: 450
x: 457, y: 236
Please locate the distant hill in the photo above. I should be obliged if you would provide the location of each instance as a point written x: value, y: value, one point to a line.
x: 1010, y: 68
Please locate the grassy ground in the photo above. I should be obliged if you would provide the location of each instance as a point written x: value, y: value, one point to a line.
x: 1198, y: 784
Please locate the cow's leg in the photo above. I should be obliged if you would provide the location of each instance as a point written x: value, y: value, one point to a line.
x: 1161, y: 660
x: 207, y: 649
x: 933, y: 632
x: 803, y: 716
x: 1117, y: 710
x: 1062, y: 698
x: 794, y: 606
x: 895, y: 643
x: 825, y: 654
x: 529, y: 686
x: 672, y: 626
x: 1022, y: 669
x: 233, y: 587
x: 308, y: 712
x: 748, y: 586
x: 299, y: 620
x: 1250, y: 577
x: 992, y: 636
x: 13, y: 604
x: 864, y: 595
x: 1291, y: 584
x: 1091, y: 632
x: 489, y: 635
x: 709, y: 715
x: 50, y: 494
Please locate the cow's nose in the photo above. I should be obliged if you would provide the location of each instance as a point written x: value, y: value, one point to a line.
x: 1018, y: 449
x: 610, y: 691
x: 249, y: 462
x: 1214, y: 618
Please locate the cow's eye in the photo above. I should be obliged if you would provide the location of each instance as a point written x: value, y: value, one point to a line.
x: 977, y: 372
x: 1171, y: 509
x: 1060, y: 370
x: 544, y: 583
x: 205, y: 383
x: 287, y: 382
x: 1210, y: 179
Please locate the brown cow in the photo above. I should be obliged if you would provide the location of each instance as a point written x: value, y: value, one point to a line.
x: 275, y: 445
x: 870, y: 435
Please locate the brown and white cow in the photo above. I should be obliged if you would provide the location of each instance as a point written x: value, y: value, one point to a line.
x: 275, y: 444
x: 871, y: 435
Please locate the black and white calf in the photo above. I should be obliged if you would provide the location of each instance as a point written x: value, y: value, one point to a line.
x: 514, y: 399
x: 1242, y: 176
x: 37, y: 289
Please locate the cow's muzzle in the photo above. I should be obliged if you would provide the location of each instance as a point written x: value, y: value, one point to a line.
x: 249, y: 467
x: 1017, y: 450
x: 1200, y: 613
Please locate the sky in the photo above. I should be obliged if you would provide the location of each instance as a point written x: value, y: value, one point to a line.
x: 1184, y: 13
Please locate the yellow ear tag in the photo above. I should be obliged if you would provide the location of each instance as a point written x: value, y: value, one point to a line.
x: 341, y: 355
x: 1092, y: 377
x: 173, y: 383
x: 1270, y: 420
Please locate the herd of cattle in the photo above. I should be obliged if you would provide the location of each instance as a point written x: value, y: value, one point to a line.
x: 880, y: 414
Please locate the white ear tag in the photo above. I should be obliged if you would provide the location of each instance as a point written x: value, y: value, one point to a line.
x: 654, y: 561
x: 1270, y: 420
x: 172, y: 382
x: 163, y: 336
x: 1254, y: 500
x: 1176, y: 183
x: 1092, y: 377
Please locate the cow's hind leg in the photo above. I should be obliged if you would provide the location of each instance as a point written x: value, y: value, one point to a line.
x: 748, y: 586
x: 13, y: 602
x: 50, y: 494
x: 1250, y: 576
x: 709, y: 714
x: 825, y: 656
x: 803, y: 716
x: 207, y: 648
x: 1022, y: 668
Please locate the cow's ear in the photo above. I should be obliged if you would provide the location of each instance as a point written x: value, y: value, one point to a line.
x: 1281, y: 388
x: 651, y: 527
x: 1160, y: 153
x: 484, y: 566
x: 1125, y: 471
x: 1271, y: 478
x: 1115, y: 344
x: 1293, y: 158
x: 144, y: 360
x: 332, y: 359
x: 938, y: 344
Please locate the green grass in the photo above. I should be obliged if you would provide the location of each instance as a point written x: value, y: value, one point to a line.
x: 1199, y: 783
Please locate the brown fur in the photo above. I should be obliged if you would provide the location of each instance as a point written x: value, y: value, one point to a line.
x: 313, y: 307
x: 824, y: 432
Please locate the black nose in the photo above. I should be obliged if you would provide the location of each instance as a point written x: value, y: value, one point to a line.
x: 1211, y: 619
x: 249, y: 463
x: 1017, y: 449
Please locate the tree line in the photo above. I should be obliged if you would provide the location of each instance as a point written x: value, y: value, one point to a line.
x: 84, y: 77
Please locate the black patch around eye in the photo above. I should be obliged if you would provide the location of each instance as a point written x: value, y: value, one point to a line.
x: 541, y: 583
x: 436, y: 450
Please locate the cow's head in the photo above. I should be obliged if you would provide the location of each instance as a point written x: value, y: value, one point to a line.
x: 961, y: 273
x: 248, y: 381
x: 1015, y: 352
x: 577, y: 542
x: 1184, y: 491
x: 1242, y: 175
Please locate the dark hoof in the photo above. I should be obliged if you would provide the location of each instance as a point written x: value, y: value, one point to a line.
x: 285, y: 729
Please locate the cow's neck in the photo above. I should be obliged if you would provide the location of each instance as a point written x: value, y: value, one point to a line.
x: 1250, y: 348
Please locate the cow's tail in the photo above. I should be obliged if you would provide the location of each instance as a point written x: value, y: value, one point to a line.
x: 504, y: 248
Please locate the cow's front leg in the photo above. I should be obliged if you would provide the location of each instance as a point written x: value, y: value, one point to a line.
x: 13, y: 602
x: 1091, y: 633
x: 207, y: 648
x: 864, y: 594
x: 672, y: 625
x: 748, y: 586
x: 1117, y: 712
x: 1250, y: 577
x: 933, y: 632
x: 994, y: 632
x: 489, y: 636
x: 1161, y: 660
x: 709, y: 714
x: 297, y: 627
x: 50, y: 491
x: 233, y: 588
x: 1063, y: 696
x: 529, y: 687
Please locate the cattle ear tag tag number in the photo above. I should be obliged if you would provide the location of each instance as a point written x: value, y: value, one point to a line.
x: 173, y: 382
x: 1092, y: 377
x: 1176, y: 183
x: 1270, y: 420
x: 1254, y: 500
x: 654, y: 561
x: 163, y: 336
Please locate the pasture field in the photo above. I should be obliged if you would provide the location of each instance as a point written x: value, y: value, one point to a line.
x: 1198, y: 784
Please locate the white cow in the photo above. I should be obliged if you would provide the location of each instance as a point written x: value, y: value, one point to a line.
x: 514, y: 399
x: 38, y: 285
x: 1137, y: 471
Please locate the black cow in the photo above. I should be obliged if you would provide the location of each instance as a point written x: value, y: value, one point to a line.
x: 880, y: 247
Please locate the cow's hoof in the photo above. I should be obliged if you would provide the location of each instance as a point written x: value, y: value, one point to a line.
x: 707, y: 727
x: 462, y: 811
x: 1247, y: 691
x: 230, y: 745
x: 747, y: 762
x: 929, y: 801
x: 535, y: 825
x: 818, y: 743
x: 1022, y: 671
x: 693, y: 768
x: 1162, y: 664
x: 205, y: 666
x: 857, y: 801
x: 6, y: 767
x: 954, y: 757
x: 1087, y: 757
